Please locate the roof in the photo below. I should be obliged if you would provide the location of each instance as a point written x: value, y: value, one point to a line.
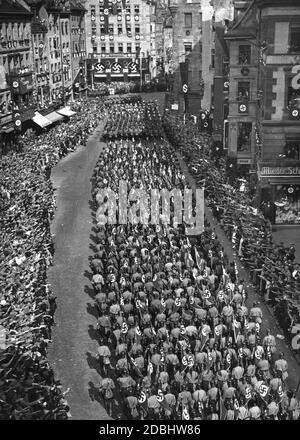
x: 37, y: 27
x: 76, y: 5
x: 283, y: 3
x: 9, y: 7
x: 245, y: 25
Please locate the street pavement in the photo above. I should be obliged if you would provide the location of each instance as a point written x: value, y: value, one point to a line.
x: 74, y: 336
x: 269, y: 321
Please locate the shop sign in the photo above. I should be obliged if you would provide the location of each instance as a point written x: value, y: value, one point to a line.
x: 244, y: 161
x: 280, y: 171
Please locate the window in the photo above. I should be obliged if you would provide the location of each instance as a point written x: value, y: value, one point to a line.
x: 129, y: 48
x: 136, y: 9
x: 95, y: 49
x: 243, y: 90
x: 292, y: 150
x: 295, y: 38
x: 188, y: 20
x: 187, y: 49
x: 103, y: 47
x: 244, y: 136
x: 120, y: 47
x: 120, y: 29
x: 128, y: 29
x: 213, y: 53
x: 137, y: 30
x: 102, y: 29
x: 101, y: 9
x: 62, y: 29
x: 111, y: 29
x: 112, y: 48
x: 245, y: 54
x: 293, y: 97
x: 127, y: 9
x: 137, y: 48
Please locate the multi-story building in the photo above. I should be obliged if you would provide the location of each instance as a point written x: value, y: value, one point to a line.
x: 119, y: 39
x: 16, y: 69
x: 243, y: 97
x: 78, y: 49
x: 186, y: 53
x: 279, y: 79
x: 223, y: 17
x: 40, y: 57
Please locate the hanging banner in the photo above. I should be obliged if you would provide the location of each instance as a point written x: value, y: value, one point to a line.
x: 114, y: 7
x: 184, y: 73
x: 106, y: 14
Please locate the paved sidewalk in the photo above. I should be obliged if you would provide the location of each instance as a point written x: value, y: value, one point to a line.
x: 74, y: 336
x: 268, y: 319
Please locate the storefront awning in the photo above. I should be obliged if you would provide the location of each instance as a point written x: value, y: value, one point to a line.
x: 41, y: 120
x: 54, y: 117
x: 66, y: 111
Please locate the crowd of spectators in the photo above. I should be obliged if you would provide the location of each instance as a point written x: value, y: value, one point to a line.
x: 28, y: 388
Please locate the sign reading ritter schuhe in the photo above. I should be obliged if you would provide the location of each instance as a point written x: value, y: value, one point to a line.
x: 280, y: 171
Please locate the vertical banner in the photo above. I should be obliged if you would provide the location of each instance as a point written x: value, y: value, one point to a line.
x: 114, y: 7
x: 184, y: 73
x: 106, y: 14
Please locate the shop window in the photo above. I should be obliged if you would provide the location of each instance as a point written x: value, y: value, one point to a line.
x: 188, y: 20
x: 292, y: 150
x: 293, y: 98
x: 244, y: 136
x: 245, y: 54
x: 287, y: 204
x: 243, y: 90
x: 295, y: 38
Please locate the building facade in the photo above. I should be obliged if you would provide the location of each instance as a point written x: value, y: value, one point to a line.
x: 120, y: 40
x: 40, y: 56
x: 279, y: 163
x: 16, y: 66
x: 78, y: 49
x: 186, y: 54
x: 243, y: 96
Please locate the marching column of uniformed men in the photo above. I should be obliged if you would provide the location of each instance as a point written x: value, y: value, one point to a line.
x: 178, y: 339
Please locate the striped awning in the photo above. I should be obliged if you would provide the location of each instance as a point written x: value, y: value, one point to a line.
x: 66, y: 111
x: 54, y: 117
x: 41, y: 120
